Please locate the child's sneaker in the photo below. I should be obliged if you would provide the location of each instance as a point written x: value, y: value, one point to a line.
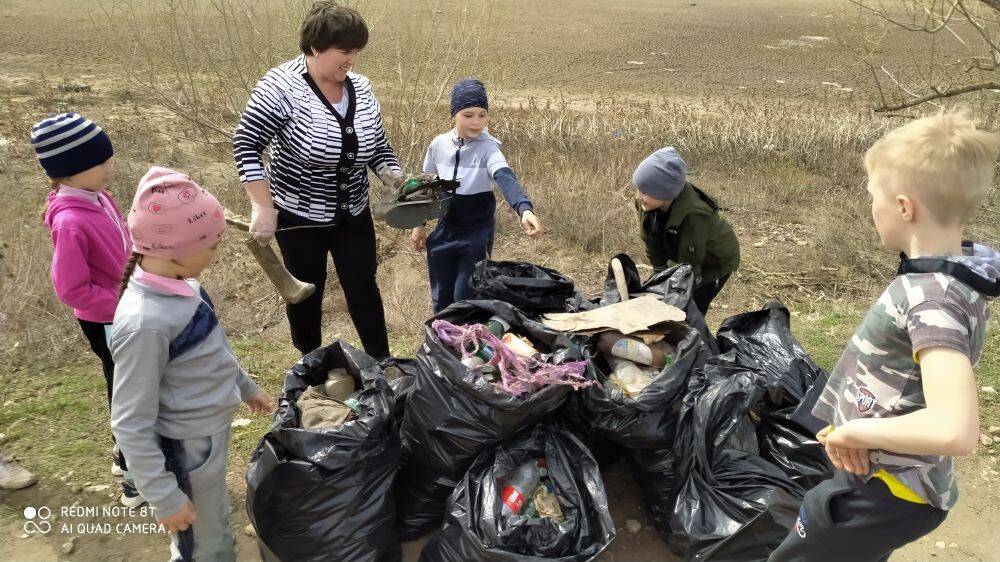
x: 130, y: 496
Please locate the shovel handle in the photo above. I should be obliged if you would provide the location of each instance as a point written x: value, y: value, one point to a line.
x: 620, y: 282
x: 240, y: 222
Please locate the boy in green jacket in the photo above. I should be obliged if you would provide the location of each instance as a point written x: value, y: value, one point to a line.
x: 681, y: 224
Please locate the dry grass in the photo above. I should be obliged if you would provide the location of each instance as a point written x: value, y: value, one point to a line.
x: 787, y: 177
x: 786, y: 172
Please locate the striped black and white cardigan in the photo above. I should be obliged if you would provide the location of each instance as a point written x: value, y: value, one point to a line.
x: 318, y: 158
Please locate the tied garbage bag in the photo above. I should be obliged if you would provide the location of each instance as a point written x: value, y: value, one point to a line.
x: 792, y: 448
x: 532, y: 288
x: 476, y: 530
x: 674, y: 285
x: 763, y: 341
x: 453, y: 413
x: 731, y: 505
x: 313, y: 492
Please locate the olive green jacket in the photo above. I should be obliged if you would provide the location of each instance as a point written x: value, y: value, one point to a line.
x: 690, y: 231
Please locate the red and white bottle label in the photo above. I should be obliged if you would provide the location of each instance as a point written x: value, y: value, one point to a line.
x: 513, y: 499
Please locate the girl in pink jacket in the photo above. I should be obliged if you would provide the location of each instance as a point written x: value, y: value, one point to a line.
x: 90, y: 240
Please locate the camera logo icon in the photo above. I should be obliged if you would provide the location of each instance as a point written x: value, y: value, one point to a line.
x: 37, y: 520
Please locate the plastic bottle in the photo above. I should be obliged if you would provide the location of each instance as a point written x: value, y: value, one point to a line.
x: 473, y: 362
x: 339, y: 385
x: 516, y: 490
x: 411, y: 185
x: 629, y: 376
x: 486, y: 354
x: 484, y: 360
x: 521, y: 346
x: 614, y: 343
x: 497, y: 326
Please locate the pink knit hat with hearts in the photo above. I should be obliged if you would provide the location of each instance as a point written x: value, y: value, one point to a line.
x: 172, y: 217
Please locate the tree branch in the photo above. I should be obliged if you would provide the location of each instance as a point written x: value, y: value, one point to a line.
x: 940, y: 94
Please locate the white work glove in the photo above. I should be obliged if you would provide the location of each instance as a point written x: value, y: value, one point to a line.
x: 391, y: 180
x: 263, y: 223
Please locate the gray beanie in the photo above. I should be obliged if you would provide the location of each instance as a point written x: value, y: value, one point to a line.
x: 661, y: 175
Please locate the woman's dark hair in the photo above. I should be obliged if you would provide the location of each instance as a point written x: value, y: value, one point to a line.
x: 329, y: 25
x: 127, y: 274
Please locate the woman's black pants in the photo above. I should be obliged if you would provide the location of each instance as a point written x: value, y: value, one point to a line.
x: 351, y: 244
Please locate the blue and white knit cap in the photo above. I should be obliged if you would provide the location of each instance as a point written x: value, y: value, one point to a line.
x: 468, y: 93
x: 69, y: 143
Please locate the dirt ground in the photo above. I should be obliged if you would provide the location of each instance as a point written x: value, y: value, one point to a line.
x: 969, y: 533
x: 583, y: 51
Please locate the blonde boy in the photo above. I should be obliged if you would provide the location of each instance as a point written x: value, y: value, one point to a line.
x: 902, y: 399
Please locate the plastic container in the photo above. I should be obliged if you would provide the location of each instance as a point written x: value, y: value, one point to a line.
x: 339, y: 385
x: 521, y: 346
x: 628, y: 376
x: 497, y: 326
x: 655, y: 355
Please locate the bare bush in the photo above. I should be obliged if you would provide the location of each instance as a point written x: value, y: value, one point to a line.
x: 200, y: 58
x: 961, y: 55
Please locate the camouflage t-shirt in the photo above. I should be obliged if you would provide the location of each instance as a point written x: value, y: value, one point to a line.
x: 878, y: 376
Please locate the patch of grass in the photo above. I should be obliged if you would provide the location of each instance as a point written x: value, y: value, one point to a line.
x: 56, y: 419
x: 825, y: 334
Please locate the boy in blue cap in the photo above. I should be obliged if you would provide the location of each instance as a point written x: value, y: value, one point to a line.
x: 464, y: 235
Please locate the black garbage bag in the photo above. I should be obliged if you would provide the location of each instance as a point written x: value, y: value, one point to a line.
x: 573, y: 418
x: 402, y: 385
x: 643, y: 426
x: 792, y: 448
x: 655, y: 473
x: 453, y: 414
x: 763, y: 341
x: 532, y: 288
x: 476, y: 530
x: 313, y: 492
x: 649, y: 420
x: 739, y: 510
x: 731, y: 505
x: 675, y: 285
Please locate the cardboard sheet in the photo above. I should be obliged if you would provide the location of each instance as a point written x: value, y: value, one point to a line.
x: 636, y: 315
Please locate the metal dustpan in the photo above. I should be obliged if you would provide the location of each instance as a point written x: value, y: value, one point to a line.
x: 420, y: 199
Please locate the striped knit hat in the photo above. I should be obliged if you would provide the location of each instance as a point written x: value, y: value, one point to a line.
x: 69, y: 143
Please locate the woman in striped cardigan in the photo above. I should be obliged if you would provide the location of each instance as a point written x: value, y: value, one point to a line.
x: 324, y: 128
